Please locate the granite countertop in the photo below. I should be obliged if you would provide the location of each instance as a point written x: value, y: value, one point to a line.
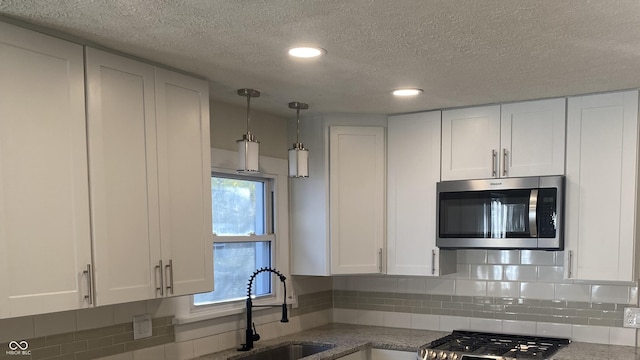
x: 352, y: 338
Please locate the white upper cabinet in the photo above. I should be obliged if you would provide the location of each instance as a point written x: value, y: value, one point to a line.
x: 602, y: 175
x: 512, y: 140
x: 184, y: 179
x: 44, y: 196
x: 413, y: 158
x: 150, y: 189
x: 337, y: 214
x: 532, y: 138
x: 470, y: 142
x: 356, y: 197
x: 123, y: 171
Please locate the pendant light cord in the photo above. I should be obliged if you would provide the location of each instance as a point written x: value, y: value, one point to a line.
x: 298, y: 125
x: 248, y: 113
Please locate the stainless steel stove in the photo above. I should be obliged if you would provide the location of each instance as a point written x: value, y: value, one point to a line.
x: 472, y: 345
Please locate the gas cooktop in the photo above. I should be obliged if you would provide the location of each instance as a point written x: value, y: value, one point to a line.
x: 472, y: 345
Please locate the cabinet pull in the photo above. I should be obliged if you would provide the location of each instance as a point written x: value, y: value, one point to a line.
x: 433, y: 262
x: 570, y: 265
x: 380, y: 260
x: 504, y: 162
x: 169, y: 276
x: 161, y: 287
x: 89, y: 296
x: 494, y: 156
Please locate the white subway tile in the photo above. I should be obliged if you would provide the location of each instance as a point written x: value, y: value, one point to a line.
x: 123, y: 313
x: 472, y: 256
x: 503, y: 289
x: 537, y: 257
x: 610, y: 294
x: 151, y: 353
x: 489, y: 325
x: 553, y: 330
x: 162, y: 307
x: 486, y: 272
x: 463, y: 271
x: 622, y: 336
x: 311, y: 284
x: 551, y: 273
x: 383, y: 284
x: 412, y: 285
x: 503, y: 257
x: 520, y: 273
x: 54, y: 323
x: 16, y: 329
x: 529, y: 290
x: 573, y: 292
x: 94, y: 318
x: 345, y: 316
x: 122, y: 356
x: 559, y: 258
x: 425, y: 322
x: 591, y: 334
x: 471, y: 288
x: 230, y: 340
x: 369, y: 317
x: 207, y: 345
x: 340, y: 283
x: 450, y: 323
x: 179, y: 350
x: 396, y: 320
x: 518, y: 327
x: 439, y: 286
x: 633, y: 295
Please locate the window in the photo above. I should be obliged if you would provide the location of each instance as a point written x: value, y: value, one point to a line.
x: 242, y: 216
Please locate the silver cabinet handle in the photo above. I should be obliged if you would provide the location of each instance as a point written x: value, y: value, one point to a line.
x: 570, y: 273
x: 504, y: 162
x: 433, y: 262
x: 159, y: 269
x: 169, y: 276
x: 89, y: 296
x: 380, y: 260
x: 494, y: 155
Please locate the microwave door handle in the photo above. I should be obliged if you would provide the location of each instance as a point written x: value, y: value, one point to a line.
x: 533, y: 218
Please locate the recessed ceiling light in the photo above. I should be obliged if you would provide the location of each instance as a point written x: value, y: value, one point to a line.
x: 306, y: 52
x: 407, y: 92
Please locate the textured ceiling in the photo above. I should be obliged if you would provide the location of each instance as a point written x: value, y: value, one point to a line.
x: 460, y: 52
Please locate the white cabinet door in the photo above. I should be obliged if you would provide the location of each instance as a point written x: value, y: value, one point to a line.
x: 470, y: 143
x: 532, y: 138
x: 123, y: 172
x: 44, y: 196
x: 356, y: 198
x: 184, y: 170
x: 384, y: 354
x: 602, y: 164
x: 413, y: 158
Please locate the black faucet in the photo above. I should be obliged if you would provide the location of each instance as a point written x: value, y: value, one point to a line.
x: 251, y: 333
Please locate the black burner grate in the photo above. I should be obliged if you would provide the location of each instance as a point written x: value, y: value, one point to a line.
x: 506, y: 345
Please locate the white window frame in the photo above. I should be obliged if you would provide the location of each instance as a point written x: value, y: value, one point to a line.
x: 224, y: 162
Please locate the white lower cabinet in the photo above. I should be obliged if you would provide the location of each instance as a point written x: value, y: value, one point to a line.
x: 384, y: 354
x: 413, y: 157
x: 44, y: 197
x: 337, y: 214
x: 602, y: 194
x: 360, y: 355
x: 149, y: 170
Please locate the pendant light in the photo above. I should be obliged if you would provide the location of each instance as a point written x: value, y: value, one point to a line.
x: 248, y: 146
x: 298, y: 155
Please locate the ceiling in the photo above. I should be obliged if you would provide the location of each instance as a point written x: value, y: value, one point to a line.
x: 460, y: 52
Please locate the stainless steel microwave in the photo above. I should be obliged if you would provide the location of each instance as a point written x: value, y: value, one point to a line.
x: 509, y: 213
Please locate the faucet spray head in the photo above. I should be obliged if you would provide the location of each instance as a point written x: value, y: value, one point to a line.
x: 284, y: 314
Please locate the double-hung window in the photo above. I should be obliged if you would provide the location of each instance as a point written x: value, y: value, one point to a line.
x: 244, y: 240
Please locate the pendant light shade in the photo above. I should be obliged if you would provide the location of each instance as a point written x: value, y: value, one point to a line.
x: 298, y: 155
x: 248, y: 146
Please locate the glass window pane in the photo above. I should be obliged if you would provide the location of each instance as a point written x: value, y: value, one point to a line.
x: 234, y: 263
x: 238, y: 206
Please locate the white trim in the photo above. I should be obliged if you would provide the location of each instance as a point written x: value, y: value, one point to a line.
x: 224, y: 161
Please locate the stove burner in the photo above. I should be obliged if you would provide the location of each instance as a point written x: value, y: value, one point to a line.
x: 505, y: 346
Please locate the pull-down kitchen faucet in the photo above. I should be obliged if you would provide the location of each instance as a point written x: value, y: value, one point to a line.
x: 251, y: 334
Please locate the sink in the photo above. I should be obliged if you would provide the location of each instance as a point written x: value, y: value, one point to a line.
x: 286, y: 352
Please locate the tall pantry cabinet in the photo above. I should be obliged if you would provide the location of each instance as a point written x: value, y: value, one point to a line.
x: 44, y: 199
